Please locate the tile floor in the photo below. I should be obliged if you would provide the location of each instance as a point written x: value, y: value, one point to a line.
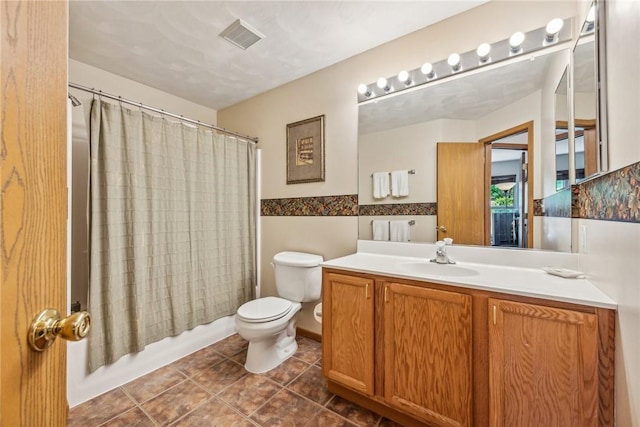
x: 211, y: 388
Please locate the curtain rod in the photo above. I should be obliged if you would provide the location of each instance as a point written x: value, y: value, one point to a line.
x: 161, y: 112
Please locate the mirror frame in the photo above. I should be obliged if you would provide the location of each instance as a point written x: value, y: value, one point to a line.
x: 563, y: 124
x: 600, y: 71
x: 601, y: 84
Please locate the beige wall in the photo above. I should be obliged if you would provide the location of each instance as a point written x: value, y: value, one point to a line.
x: 623, y: 84
x: 612, y: 251
x: 92, y: 77
x: 86, y: 75
x: 332, y: 92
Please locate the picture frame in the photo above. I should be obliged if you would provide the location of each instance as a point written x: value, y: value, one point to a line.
x: 305, y: 151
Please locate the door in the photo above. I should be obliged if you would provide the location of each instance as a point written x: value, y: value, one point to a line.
x: 347, y: 331
x: 461, y: 194
x: 33, y: 89
x: 543, y: 366
x: 427, y: 353
x: 517, y: 139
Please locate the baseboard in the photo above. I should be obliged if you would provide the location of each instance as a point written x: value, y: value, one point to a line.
x: 308, y: 334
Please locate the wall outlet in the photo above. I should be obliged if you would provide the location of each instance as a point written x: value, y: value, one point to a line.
x: 583, y: 239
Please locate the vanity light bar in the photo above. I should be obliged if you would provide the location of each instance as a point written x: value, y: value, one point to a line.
x: 518, y: 44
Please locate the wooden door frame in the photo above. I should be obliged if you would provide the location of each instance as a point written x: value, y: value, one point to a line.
x: 487, y: 141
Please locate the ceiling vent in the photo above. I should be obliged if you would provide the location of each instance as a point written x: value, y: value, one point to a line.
x: 241, y: 34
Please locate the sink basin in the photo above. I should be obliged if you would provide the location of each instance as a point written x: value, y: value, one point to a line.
x: 434, y: 269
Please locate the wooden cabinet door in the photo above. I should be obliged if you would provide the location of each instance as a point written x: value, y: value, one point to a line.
x: 347, y: 331
x: 427, y: 350
x: 543, y: 366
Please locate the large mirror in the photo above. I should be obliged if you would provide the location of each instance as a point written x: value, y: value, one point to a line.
x: 504, y: 111
x: 512, y: 110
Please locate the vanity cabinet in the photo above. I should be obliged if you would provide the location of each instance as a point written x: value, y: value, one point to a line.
x: 423, y: 353
x: 543, y: 366
x: 427, y: 353
x: 347, y: 318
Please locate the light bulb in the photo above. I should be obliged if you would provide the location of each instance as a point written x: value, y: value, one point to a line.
x: 483, y: 51
x: 454, y: 61
x: 382, y: 84
x: 515, y: 41
x: 403, y: 76
x: 427, y: 69
x: 553, y: 27
x: 362, y: 89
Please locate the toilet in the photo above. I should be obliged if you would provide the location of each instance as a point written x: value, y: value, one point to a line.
x: 269, y: 323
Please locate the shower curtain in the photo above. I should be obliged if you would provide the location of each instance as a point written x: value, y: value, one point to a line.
x: 172, y: 229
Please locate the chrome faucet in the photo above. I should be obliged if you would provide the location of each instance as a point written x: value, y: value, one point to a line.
x: 441, y: 252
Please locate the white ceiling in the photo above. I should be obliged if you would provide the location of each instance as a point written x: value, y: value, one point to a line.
x: 174, y: 45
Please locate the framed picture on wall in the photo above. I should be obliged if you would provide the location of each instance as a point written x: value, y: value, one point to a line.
x: 305, y: 151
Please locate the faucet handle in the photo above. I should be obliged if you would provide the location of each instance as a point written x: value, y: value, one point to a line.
x: 448, y: 241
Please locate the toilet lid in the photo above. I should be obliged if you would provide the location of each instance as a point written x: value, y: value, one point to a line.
x: 264, y: 309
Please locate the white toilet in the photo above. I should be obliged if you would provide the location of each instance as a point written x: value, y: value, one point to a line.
x: 268, y: 323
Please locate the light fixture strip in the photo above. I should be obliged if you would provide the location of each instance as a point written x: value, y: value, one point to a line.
x: 534, y: 40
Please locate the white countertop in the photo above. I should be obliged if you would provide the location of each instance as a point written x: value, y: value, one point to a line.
x: 524, y: 281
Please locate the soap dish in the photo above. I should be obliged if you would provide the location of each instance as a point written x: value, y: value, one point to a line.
x: 564, y: 272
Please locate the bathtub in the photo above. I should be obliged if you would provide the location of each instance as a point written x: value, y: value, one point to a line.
x: 82, y: 386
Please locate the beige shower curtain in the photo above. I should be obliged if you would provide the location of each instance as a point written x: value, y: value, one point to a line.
x: 172, y: 229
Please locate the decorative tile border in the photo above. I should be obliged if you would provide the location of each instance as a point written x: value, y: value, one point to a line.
x: 611, y: 197
x: 346, y: 205
x: 556, y: 205
x: 399, y: 209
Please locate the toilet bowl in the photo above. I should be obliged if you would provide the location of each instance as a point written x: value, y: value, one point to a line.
x: 269, y: 323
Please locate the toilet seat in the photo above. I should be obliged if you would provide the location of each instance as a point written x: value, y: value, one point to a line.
x: 264, y: 309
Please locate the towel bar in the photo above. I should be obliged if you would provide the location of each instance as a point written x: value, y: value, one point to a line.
x: 411, y: 222
x: 410, y: 172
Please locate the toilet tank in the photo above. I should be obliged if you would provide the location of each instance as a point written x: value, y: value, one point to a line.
x: 298, y: 276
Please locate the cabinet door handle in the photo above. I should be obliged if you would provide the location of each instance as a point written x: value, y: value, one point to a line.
x: 494, y: 313
x: 386, y: 289
x: 366, y: 291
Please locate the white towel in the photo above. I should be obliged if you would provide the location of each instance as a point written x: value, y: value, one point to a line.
x: 400, y: 183
x: 380, y: 230
x: 399, y: 231
x: 380, y: 185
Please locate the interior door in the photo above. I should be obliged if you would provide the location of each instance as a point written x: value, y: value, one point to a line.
x: 461, y: 193
x: 33, y: 89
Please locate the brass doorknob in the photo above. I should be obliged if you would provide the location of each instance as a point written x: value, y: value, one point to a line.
x: 442, y: 228
x: 48, y: 325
